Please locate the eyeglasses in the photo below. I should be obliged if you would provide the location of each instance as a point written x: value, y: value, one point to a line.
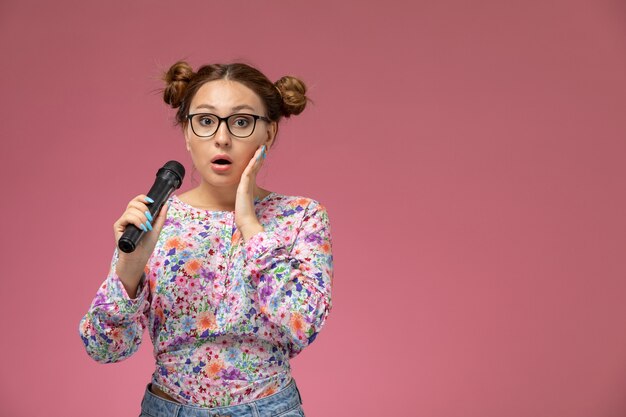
x: 240, y: 125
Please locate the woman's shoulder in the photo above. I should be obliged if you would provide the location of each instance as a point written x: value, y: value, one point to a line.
x: 292, y: 209
x: 293, y: 202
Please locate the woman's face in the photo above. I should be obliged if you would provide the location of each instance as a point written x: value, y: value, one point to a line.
x: 224, y: 98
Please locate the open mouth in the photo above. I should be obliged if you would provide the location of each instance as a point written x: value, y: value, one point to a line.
x: 222, y: 162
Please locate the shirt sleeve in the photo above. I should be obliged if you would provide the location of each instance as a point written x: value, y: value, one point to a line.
x: 293, y: 278
x: 113, y: 327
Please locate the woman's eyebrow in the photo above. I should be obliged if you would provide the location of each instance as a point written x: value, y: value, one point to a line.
x: 234, y: 109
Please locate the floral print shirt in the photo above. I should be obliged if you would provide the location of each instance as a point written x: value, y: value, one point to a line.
x: 224, y: 316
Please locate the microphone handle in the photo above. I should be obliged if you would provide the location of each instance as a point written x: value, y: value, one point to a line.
x: 161, y: 190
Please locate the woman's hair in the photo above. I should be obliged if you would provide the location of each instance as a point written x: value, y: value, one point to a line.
x: 285, y: 97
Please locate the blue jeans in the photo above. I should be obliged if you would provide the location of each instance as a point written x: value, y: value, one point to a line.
x: 284, y: 403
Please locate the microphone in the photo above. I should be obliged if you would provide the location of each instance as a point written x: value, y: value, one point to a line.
x: 168, y: 179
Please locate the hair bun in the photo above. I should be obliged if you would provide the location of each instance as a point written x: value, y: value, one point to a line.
x: 293, y: 92
x: 176, y: 80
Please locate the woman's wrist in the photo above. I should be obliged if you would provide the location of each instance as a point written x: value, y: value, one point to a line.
x: 130, y: 276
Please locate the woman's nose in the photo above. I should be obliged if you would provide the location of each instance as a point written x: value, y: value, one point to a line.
x: 222, y: 136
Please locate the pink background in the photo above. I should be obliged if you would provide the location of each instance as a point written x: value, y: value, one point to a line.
x: 471, y: 156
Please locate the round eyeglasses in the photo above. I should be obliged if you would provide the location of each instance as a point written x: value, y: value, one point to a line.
x: 240, y: 125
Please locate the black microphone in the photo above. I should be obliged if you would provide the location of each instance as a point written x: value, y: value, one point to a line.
x: 168, y: 179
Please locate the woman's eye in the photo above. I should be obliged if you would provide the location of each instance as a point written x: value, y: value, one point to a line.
x: 205, y: 121
x: 241, y: 122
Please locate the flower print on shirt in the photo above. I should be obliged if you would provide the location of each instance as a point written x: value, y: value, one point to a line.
x: 224, y: 315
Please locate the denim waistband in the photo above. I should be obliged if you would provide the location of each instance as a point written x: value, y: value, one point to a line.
x: 276, y: 404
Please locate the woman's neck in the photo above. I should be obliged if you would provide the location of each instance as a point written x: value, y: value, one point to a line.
x: 207, y: 197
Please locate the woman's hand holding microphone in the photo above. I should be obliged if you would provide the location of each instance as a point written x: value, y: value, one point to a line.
x: 130, y: 266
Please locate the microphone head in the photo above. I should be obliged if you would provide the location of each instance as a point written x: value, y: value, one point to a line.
x: 175, y: 168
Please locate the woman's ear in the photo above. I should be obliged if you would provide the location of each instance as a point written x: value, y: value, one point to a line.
x: 272, y: 130
x: 185, y: 134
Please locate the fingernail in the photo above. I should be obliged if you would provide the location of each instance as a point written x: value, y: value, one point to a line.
x: 149, y: 225
x: 149, y: 200
x: 263, y: 152
x: 143, y: 227
x: 148, y: 215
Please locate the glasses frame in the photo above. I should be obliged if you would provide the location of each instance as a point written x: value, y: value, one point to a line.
x: 225, y: 119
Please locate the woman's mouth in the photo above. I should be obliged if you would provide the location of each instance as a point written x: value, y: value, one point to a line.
x: 221, y: 163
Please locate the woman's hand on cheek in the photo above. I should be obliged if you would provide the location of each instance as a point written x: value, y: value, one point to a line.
x: 245, y: 216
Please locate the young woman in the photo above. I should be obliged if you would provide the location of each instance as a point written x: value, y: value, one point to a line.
x: 231, y: 280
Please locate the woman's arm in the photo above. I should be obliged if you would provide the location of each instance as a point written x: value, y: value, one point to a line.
x: 113, y: 327
x: 293, y: 278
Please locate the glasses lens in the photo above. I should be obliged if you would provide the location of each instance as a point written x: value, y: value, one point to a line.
x: 204, y: 124
x: 241, y: 125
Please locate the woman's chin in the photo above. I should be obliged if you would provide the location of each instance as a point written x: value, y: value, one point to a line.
x: 223, y: 180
